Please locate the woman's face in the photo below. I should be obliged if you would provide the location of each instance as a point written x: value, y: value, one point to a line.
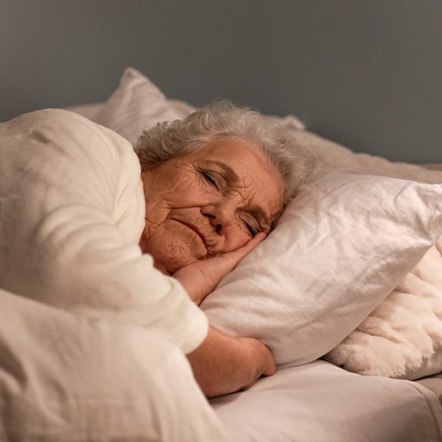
x: 208, y: 202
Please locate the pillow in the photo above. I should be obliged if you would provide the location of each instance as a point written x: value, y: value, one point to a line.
x: 136, y: 105
x: 402, y: 338
x: 88, y: 110
x: 336, y: 253
x: 335, y: 158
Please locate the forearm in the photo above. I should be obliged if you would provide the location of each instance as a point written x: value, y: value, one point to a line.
x: 223, y: 364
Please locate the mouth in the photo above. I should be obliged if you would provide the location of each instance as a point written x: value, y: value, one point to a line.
x: 194, y: 228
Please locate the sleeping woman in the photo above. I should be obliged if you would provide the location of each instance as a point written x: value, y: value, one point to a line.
x: 81, y: 231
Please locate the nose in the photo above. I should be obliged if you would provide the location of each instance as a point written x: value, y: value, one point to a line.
x: 220, y: 214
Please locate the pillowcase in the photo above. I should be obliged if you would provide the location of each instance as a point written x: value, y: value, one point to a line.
x: 136, y: 105
x: 338, y: 250
x: 335, y: 158
x: 402, y: 338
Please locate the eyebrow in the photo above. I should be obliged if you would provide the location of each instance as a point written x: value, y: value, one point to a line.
x: 256, y: 211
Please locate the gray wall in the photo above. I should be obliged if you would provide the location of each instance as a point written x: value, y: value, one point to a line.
x: 366, y: 73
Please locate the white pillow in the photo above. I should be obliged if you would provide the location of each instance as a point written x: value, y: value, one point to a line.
x: 136, y: 105
x: 338, y: 250
x: 335, y: 158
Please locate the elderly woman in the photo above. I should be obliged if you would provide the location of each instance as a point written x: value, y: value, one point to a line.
x: 213, y: 187
x: 215, y: 184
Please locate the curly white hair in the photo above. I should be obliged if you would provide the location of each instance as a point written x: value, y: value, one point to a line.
x: 222, y: 119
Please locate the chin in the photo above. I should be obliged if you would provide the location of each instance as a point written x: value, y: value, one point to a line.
x: 172, y: 252
x: 170, y: 264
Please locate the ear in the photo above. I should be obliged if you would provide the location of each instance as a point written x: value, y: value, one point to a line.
x: 141, y: 159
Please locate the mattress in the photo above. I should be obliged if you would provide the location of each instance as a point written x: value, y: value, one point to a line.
x: 321, y: 402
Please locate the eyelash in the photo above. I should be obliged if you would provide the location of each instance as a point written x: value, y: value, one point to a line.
x: 252, y: 226
x: 213, y: 179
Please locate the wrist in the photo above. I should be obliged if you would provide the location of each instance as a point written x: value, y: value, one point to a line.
x: 224, y: 364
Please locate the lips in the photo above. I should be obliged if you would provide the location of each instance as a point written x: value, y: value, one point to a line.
x: 192, y: 227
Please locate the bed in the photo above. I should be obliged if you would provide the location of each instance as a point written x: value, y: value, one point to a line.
x: 359, y: 352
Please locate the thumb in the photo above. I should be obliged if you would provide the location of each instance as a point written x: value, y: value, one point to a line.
x: 237, y: 255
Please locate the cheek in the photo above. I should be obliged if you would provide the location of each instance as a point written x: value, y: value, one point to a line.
x: 159, y: 205
x: 172, y: 246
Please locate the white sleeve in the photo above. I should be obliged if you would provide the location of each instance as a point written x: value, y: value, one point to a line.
x: 72, y: 209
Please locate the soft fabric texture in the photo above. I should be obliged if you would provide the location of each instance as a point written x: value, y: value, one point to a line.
x: 72, y: 209
x: 402, y: 338
x: 334, y: 157
x: 319, y: 402
x: 69, y: 378
x: 336, y: 253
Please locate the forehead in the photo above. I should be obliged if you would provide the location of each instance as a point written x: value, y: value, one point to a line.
x: 258, y: 180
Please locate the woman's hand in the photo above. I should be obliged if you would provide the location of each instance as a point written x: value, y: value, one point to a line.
x: 201, y: 277
x: 223, y: 364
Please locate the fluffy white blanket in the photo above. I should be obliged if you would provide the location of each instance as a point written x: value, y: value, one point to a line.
x: 402, y: 338
x: 72, y: 210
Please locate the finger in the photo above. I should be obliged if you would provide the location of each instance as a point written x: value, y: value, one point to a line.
x: 270, y: 368
x: 215, y: 268
x: 260, y: 237
x: 240, y: 253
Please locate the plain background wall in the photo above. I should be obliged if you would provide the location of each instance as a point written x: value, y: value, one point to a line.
x: 365, y: 73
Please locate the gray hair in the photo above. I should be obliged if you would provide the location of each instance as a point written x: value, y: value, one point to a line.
x: 224, y: 120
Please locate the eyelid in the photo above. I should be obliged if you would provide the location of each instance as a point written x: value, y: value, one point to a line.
x: 215, y: 179
x: 250, y: 222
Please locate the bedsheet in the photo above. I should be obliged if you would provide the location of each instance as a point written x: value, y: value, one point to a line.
x: 321, y: 402
x: 433, y: 383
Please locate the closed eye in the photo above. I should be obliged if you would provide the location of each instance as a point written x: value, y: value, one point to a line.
x: 214, y: 180
x: 250, y: 224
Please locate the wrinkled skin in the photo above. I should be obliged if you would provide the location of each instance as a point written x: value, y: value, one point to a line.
x: 205, y: 211
x: 196, y: 208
